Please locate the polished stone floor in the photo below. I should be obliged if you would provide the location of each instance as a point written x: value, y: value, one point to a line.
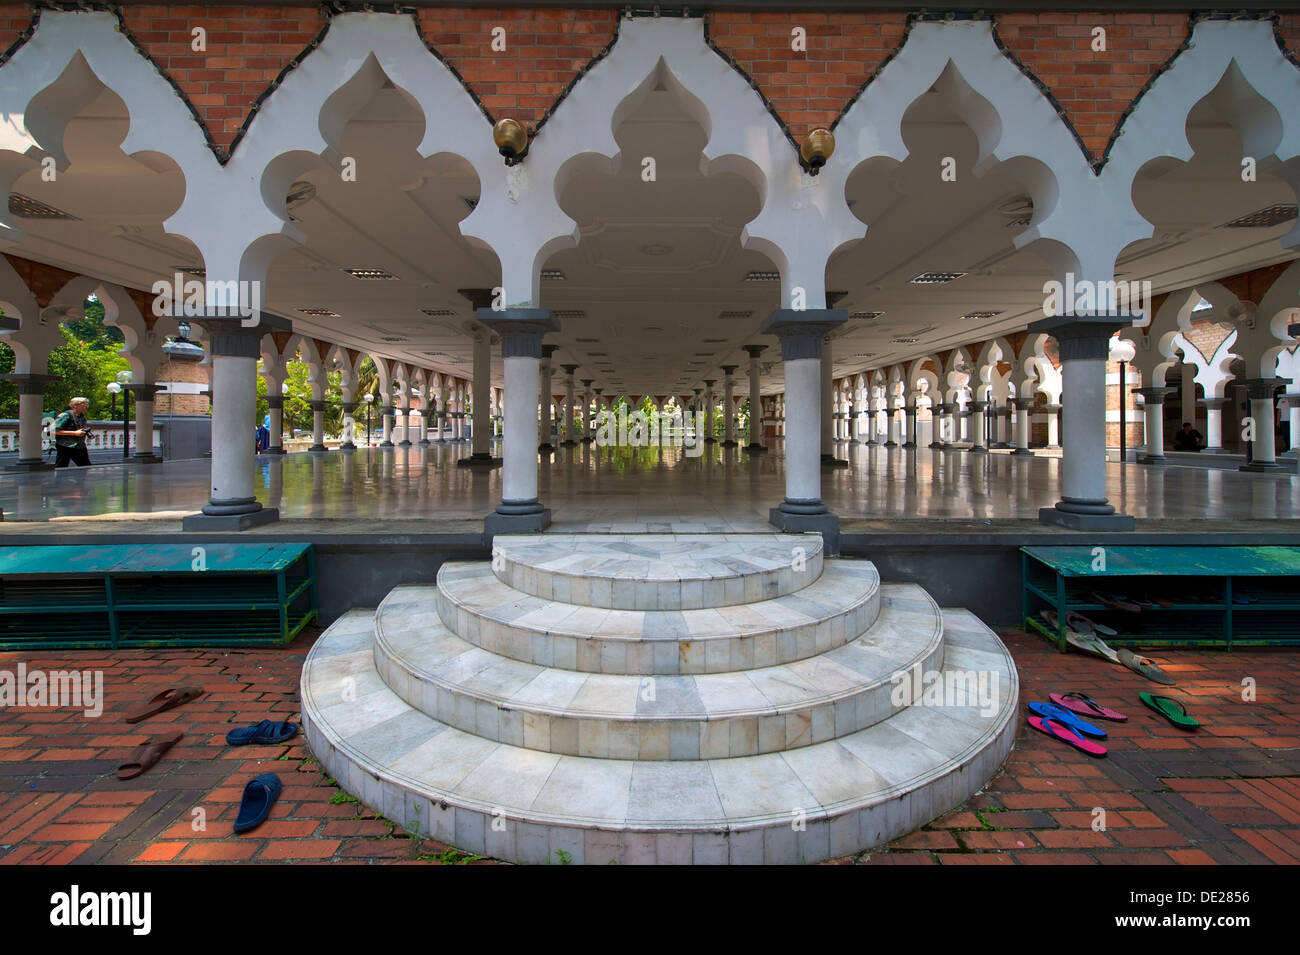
x: 645, y: 489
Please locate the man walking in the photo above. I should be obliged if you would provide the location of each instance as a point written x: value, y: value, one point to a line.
x: 70, y: 433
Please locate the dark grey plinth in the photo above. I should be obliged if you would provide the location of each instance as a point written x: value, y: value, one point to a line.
x: 28, y: 466
x: 978, y: 449
x: 216, y: 523
x: 482, y: 461
x: 1085, y: 522
x: 149, y: 458
x: 756, y: 448
x: 317, y: 449
x: 1260, y: 467
x: 279, y: 450
x: 495, y: 524
x: 826, y: 524
x: 831, y: 461
x: 1156, y: 459
x: 1022, y: 453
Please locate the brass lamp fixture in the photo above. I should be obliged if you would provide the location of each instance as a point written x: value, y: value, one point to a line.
x: 817, y: 147
x: 511, y: 140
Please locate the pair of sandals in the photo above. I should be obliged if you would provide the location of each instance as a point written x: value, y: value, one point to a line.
x: 1134, y: 604
x: 148, y: 753
x: 1062, y: 719
x: 1085, y: 634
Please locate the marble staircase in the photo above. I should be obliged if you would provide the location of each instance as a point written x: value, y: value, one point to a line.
x: 647, y: 698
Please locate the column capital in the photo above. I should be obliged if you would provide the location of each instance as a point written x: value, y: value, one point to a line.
x: 801, y: 331
x: 588, y: 382
x: 728, y: 370
x: 1082, y: 337
x: 1024, y: 404
x: 1212, y: 404
x: 754, y: 350
x: 275, y: 402
x: 1257, y: 389
x: 570, y: 369
x: 231, y: 338
x: 979, y: 406
x: 521, y: 330
x: 349, y: 407
x: 1154, y: 395
x: 28, y: 384
x: 143, y: 391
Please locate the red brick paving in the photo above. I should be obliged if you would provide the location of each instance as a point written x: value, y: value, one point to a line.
x: 1227, y: 794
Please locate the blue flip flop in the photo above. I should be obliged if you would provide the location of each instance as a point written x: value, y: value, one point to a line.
x: 259, y: 796
x: 266, y: 731
x: 1062, y: 715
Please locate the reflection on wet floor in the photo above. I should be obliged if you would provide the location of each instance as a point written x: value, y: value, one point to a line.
x: 590, y: 487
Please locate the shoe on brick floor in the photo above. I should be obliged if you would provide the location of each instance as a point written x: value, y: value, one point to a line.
x: 259, y: 796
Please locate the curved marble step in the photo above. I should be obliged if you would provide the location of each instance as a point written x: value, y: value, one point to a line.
x: 516, y: 804
x: 608, y: 716
x: 833, y: 610
x: 657, y: 571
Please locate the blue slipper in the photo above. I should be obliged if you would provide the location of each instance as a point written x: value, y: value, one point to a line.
x: 1062, y: 715
x: 266, y: 731
x: 259, y: 796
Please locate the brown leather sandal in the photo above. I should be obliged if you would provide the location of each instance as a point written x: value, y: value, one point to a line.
x: 166, y: 700
x: 147, y: 754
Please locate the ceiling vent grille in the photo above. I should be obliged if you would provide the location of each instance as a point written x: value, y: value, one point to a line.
x: 1264, y: 218
x: 936, y: 278
x: 25, y: 207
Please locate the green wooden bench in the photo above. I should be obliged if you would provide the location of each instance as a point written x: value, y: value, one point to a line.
x: 155, y: 595
x: 1222, y: 596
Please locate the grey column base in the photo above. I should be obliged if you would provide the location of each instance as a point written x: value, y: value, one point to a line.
x: 274, y: 451
x: 317, y: 449
x: 826, y: 524
x: 424, y: 442
x: 831, y: 461
x: 347, y: 448
x: 936, y: 445
x: 1156, y: 459
x: 1000, y: 445
x: 1022, y: 453
x: 978, y: 449
x: 948, y: 446
x: 1259, y: 467
x: 230, y: 522
x: 1085, y: 522
x: 1224, y: 451
x: 404, y: 444
x: 891, y: 444
x: 149, y: 458
x: 588, y: 439
x: 731, y: 444
x: 482, y: 461
x: 756, y: 448
x: 386, y: 444
x: 40, y: 464
x: 909, y: 444
x: 546, y: 448
x: 495, y: 523
x: 710, y: 440
x: 439, y: 441
x: 857, y: 441
x: 568, y: 443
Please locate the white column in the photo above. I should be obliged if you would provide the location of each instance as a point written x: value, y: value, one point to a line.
x: 826, y: 402
x: 482, y: 434
x: 386, y: 415
x: 570, y: 390
x: 444, y: 421
x: 1153, y: 428
x: 729, y: 406
x: 1263, y: 451
x: 275, y: 403
x: 708, y: 411
x: 1084, y: 349
x: 31, y: 406
x: 1023, y: 406
x: 586, y: 410
x: 317, y: 426
x: 1293, y: 423
x: 978, y: 409
x: 544, y: 398
x: 521, y: 332
x: 233, y: 504
x: 756, y: 435
x: 143, y: 408
x: 1054, y: 423
x: 1214, y: 424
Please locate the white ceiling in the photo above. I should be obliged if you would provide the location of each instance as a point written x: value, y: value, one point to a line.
x: 658, y: 261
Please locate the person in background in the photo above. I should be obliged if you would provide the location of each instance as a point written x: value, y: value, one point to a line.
x: 70, y: 433
x: 1188, y: 439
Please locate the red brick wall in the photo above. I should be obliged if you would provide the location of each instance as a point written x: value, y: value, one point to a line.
x: 808, y: 89
x: 1093, y: 88
x: 1289, y: 26
x: 1206, y: 337
x: 545, y: 50
x: 14, y: 19
x: 247, y: 47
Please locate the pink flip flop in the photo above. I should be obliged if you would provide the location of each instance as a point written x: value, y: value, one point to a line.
x: 1085, y: 705
x: 1058, y: 730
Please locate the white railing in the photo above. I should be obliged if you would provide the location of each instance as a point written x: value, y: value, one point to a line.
x: 105, y: 435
